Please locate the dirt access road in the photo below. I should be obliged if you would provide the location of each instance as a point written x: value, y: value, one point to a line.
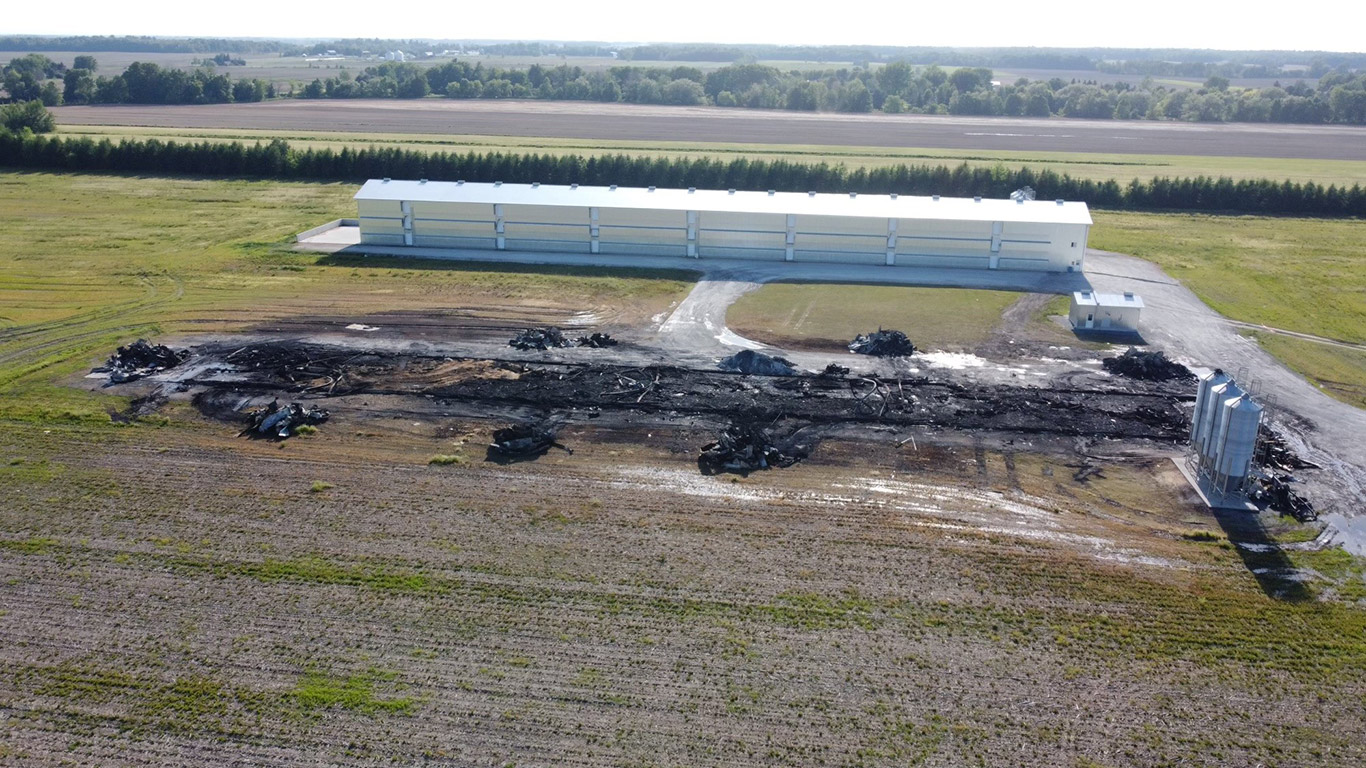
x: 632, y: 122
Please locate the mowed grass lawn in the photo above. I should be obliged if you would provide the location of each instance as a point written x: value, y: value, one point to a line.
x: 1306, y: 275
x: 92, y: 261
x: 827, y: 317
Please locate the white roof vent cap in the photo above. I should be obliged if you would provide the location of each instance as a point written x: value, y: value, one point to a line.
x: 652, y: 188
x: 535, y: 185
x: 893, y: 195
x: 730, y: 191
x: 772, y: 192
x: 812, y: 193
x: 573, y: 186
x: 386, y: 179
x: 935, y: 198
x: 853, y: 194
x: 497, y: 183
x: 1059, y: 201
x: 692, y: 190
x: 421, y: 181
x: 612, y: 188
x: 977, y: 199
x: 459, y: 181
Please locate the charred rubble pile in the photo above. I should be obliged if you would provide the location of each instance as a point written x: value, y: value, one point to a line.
x: 524, y: 441
x: 596, y: 340
x: 883, y: 343
x: 1273, y: 491
x: 275, y: 422
x: 757, y: 364
x: 742, y: 448
x: 553, y: 338
x: 1147, y: 366
x: 834, y: 371
x: 670, y: 394
x: 141, y: 359
x: 539, y: 338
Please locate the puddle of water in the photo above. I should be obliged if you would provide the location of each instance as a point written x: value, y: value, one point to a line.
x: 1350, y: 532
x: 954, y: 360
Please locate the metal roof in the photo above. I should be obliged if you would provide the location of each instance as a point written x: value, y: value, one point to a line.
x: 1092, y: 299
x: 874, y: 206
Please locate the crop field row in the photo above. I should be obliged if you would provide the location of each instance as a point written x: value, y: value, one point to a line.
x: 1096, y: 166
x: 403, y: 611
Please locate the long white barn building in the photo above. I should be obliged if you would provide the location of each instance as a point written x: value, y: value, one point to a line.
x: 698, y: 223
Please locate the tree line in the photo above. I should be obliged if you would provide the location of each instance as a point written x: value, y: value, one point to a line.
x: 898, y: 87
x: 277, y: 160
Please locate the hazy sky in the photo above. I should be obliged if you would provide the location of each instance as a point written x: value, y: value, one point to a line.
x: 1334, y: 25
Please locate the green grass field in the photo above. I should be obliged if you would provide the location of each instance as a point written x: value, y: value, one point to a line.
x: 820, y: 316
x: 1339, y: 372
x: 1306, y: 275
x: 1096, y: 166
x: 93, y: 261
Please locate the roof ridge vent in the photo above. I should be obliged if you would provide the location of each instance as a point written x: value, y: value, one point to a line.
x: 977, y: 199
x: 573, y: 186
x: 497, y: 183
x: 652, y: 188
x: 730, y: 191
x: 421, y: 181
x: 458, y: 182
x: 935, y: 198
x: 853, y: 195
x: 387, y: 179
x: 893, y: 195
x: 812, y: 193
x: 535, y: 185
x: 692, y: 190
x: 612, y: 188
x: 1059, y: 201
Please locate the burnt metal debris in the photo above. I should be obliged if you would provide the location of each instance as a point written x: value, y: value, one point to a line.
x: 596, y: 341
x: 524, y: 441
x: 551, y: 337
x: 758, y: 364
x: 883, y: 343
x: 272, y: 421
x: 538, y: 338
x: 834, y: 370
x: 1274, y: 492
x: 141, y: 359
x: 1273, y: 452
x: 1148, y: 366
x: 742, y: 448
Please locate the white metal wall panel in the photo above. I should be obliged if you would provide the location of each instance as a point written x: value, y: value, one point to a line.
x: 841, y: 257
x: 642, y: 249
x: 386, y: 226
x: 526, y: 231
x: 953, y: 262
x: 546, y: 214
x: 745, y: 222
x: 974, y: 230
x: 441, y: 228
x: 453, y: 211
x: 1034, y: 265
x: 470, y: 243
x: 1028, y: 230
x: 729, y: 252
x: 378, y: 238
x: 638, y: 217
x: 807, y: 241
x: 850, y: 225
x: 378, y: 208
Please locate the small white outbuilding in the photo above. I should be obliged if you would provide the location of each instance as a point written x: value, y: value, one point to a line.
x: 1105, y: 311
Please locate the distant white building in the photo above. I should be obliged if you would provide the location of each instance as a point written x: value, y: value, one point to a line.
x: 888, y: 230
x: 1105, y: 311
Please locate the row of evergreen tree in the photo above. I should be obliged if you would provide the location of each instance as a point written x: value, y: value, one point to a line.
x: 277, y: 160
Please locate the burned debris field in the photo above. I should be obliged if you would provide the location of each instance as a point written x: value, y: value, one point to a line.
x: 614, y: 394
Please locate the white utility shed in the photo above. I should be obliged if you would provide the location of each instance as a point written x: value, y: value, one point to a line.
x: 1105, y: 311
x: 697, y: 223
